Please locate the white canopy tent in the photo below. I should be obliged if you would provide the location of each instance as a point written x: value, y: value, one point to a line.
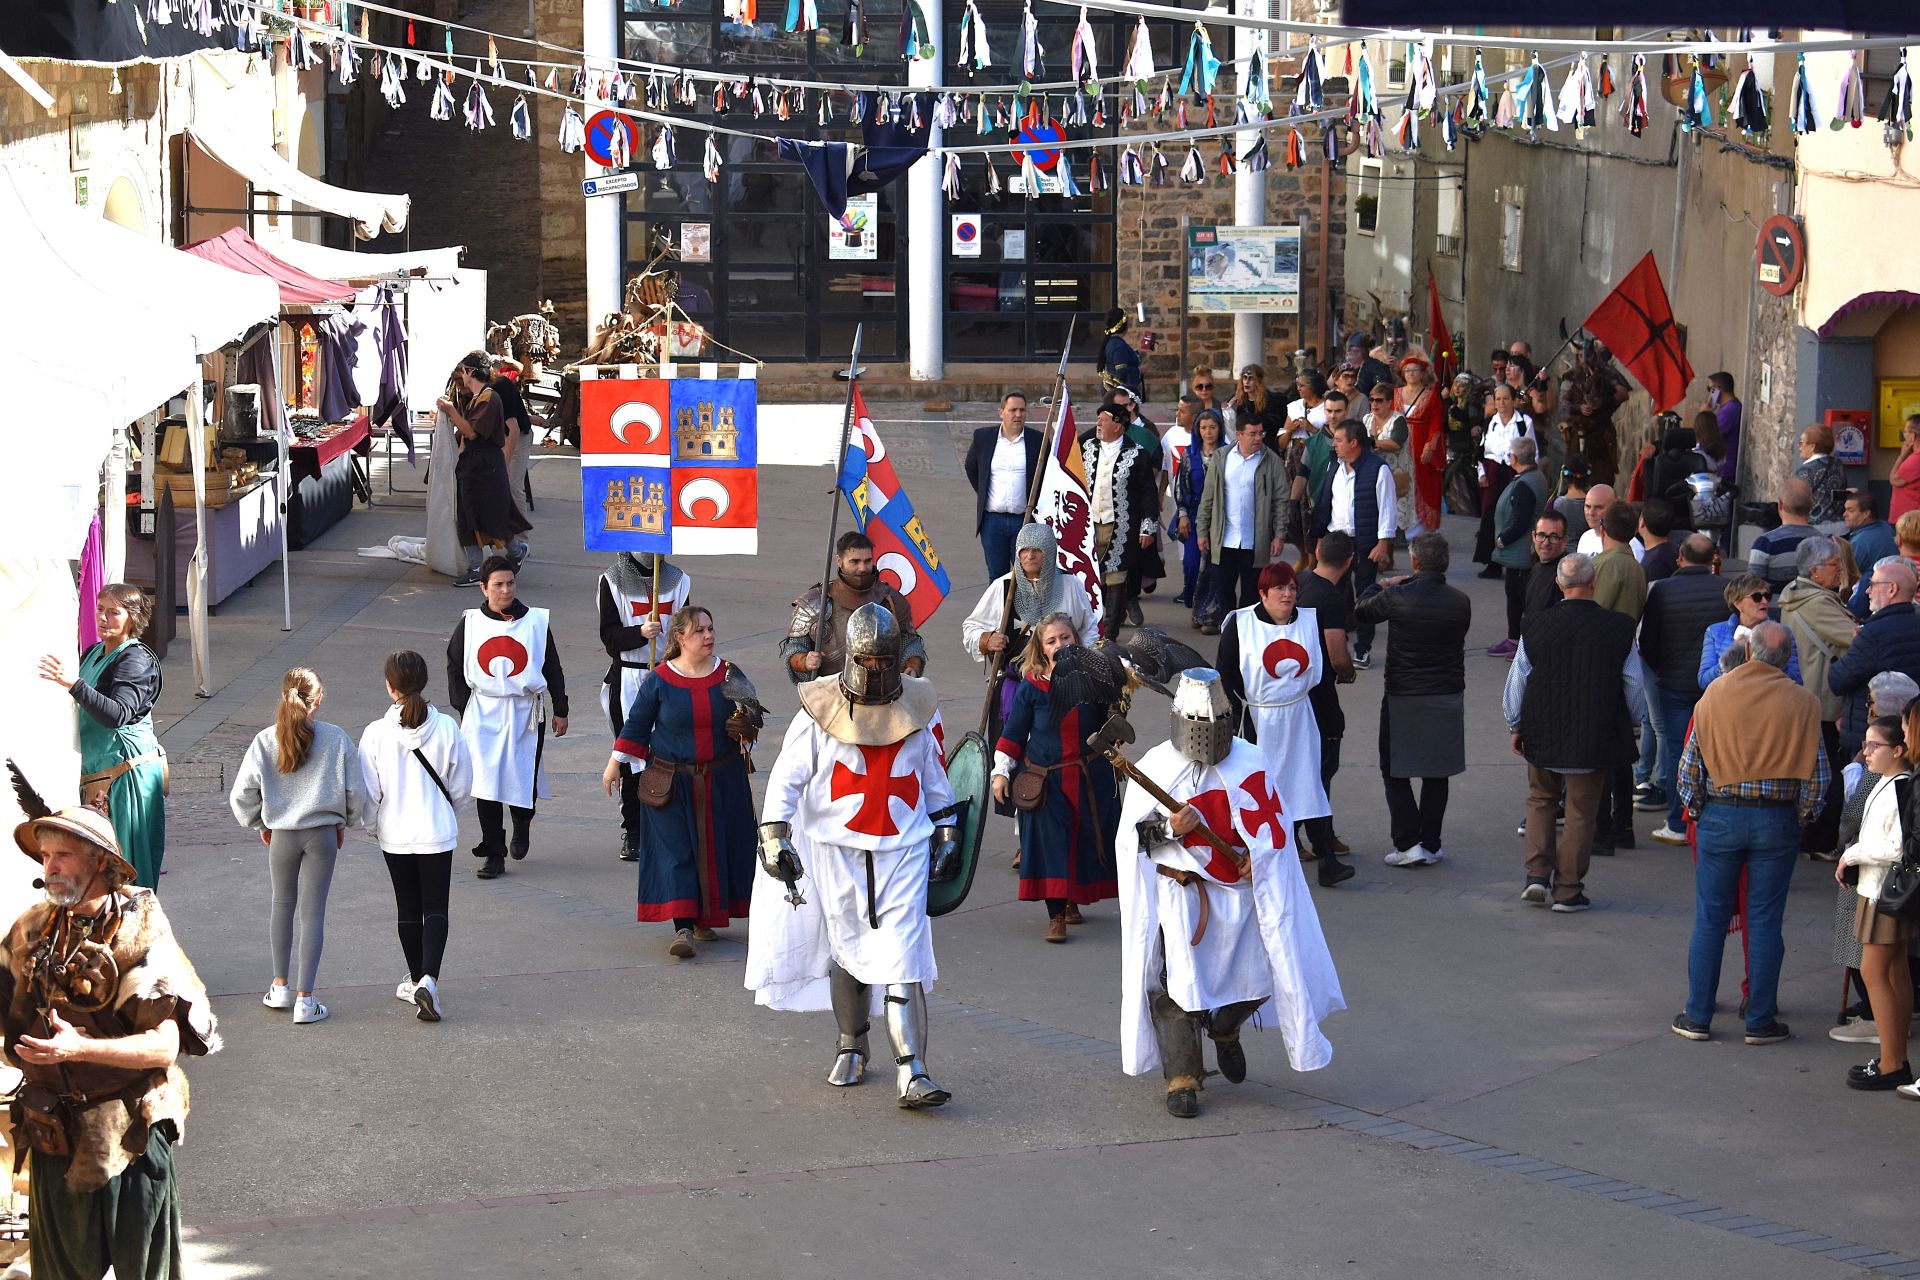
x: 362, y: 268
x: 370, y: 212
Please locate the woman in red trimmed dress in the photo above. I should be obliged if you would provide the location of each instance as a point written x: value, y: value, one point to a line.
x: 1426, y: 440
x: 1066, y: 845
x: 697, y: 851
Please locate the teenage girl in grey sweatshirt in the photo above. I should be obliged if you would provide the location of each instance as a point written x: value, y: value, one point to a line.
x: 300, y: 787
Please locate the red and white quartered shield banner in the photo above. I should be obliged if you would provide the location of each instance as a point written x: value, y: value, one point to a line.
x: 670, y: 465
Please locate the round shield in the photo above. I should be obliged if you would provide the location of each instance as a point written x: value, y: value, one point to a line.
x: 968, y: 765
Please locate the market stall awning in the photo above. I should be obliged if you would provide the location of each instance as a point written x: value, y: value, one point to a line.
x: 238, y: 251
x: 363, y: 268
x: 370, y: 211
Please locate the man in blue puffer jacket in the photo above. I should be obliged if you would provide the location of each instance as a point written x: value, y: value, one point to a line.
x: 1887, y: 641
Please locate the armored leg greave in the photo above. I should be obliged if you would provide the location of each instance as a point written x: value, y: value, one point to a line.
x: 851, y: 1001
x: 907, y: 1028
x: 1179, y: 1035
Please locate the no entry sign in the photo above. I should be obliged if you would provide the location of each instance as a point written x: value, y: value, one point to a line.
x: 612, y: 139
x: 1780, y: 256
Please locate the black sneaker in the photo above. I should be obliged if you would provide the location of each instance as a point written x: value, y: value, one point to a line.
x: 1578, y: 902
x: 1773, y: 1033
x: 1333, y: 871
x: 1535, y: 891
x: 519, y: 847
x: 629, y: 847
x: 1232, y: 1059
x: 471, y: 578
x: 1689, y: 1029
x: 1873, y: 1079
x: 1650, y: 799
x: 1362, y: 659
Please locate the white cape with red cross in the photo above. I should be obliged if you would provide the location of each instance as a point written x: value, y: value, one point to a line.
x: 504, y: 669
x: 1263, y: 935
x: 844, y: 802
x: 1280, y: 663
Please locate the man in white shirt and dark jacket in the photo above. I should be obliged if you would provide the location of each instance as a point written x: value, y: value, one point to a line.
x: 1001, y: 463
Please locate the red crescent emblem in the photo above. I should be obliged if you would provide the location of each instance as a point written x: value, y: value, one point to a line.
x: 1279, y: 651
x: 503, y: 647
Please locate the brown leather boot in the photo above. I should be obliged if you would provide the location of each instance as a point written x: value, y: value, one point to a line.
x: 1073, y: 914
x: 1057, y: 929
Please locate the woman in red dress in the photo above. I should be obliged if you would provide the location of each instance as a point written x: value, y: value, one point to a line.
x: 1426, y: 440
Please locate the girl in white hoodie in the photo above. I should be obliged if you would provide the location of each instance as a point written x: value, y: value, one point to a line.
x: 418, y: 775
x: 1883, y: 939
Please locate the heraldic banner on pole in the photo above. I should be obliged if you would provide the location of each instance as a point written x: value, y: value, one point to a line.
x: 669, y: 466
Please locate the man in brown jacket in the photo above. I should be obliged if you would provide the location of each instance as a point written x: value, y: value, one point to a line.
x: 1752, y: 775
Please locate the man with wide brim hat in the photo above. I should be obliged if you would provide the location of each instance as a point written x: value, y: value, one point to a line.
x: 100, y: 1002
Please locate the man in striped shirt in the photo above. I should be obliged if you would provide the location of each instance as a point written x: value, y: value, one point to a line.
x: 1775, y: 553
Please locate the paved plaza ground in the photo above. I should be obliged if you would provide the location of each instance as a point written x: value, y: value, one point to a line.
x: 1504, y: 1100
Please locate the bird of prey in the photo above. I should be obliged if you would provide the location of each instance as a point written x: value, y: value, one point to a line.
x: 745, y: 698
x: 1156, y: 657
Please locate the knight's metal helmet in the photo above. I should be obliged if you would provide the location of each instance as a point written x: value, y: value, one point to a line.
x: 1202, y: 728
x: 872, y: 632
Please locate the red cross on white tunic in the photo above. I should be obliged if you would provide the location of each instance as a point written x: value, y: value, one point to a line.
x: 644, y: 608
x: 1266, y: 811
x: 1213, y: 809
x: 877, y: 789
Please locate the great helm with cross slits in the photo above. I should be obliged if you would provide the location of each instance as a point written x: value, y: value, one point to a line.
x: 873, y: 633
x: 1201, y: 718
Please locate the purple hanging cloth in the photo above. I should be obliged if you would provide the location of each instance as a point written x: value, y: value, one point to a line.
x: 93, y: 576
x: 256, y: 366
x: 390, y: 407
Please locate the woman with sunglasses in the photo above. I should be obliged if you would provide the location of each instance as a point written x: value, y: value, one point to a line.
x: 1751, y: 599
x: 1883, y: 939
x: 1388, y: 428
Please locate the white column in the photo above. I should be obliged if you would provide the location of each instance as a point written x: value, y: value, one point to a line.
x: 1249, y: 187
x: 926, y: 226
x: 601, y: 36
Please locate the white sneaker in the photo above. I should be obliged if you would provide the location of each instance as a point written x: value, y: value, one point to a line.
x: 404, y: 991
x: 1664, y: 834
x: 1857, y: 1031
x: 279, y: 996
x: 307, y: 1009
x: 1414, y: 857
x: 1908, y: 1090
x: 426, y: 994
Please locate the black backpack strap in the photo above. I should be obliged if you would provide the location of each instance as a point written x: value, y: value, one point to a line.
x: 434, y: 774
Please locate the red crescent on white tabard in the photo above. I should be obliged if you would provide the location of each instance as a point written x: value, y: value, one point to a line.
x: 1281, y: 650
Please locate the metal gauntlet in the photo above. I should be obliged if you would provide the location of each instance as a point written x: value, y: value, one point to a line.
x: 1153, y: 832
x: 777, y: 854
x: 943, y: 856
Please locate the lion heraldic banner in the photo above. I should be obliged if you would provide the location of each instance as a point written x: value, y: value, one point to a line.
x: 670, y: 465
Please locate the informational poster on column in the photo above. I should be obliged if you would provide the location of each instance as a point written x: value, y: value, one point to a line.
x: 857, y: 237
x: 1243, y: 269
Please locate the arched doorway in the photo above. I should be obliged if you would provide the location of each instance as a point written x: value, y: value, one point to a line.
x: 124, y: 206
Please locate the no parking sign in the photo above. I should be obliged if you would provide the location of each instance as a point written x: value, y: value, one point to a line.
x: 966, y: 235
x: 611, y: 139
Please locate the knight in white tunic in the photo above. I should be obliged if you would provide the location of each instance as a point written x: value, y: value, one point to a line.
x: 630, y: 619
x: 1271, y: 657
x: 1211, y: 942
x: 858, y: 816
x: 1010, y: 608
x: 505, y: 681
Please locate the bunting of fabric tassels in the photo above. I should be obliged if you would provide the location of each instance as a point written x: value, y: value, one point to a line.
x: 1029, y: 175
x: 1132, y: 172
x: 478, y: 111
x: 1195, y: 169
x: 1296, y: 149
x: 1064, y: 171
x: 1032, y: 54
x: 1202, y: 67
x: 663, y: 156
x: 346, y: 62
x: 573, y: 132
x: 1606, y: 78
x: 1256, y: 158
x: 446, y: 47
x: 1364, y: 102
x: 1406, y: 131
x: 1478, y: 104
x: 1422, y: 89
x: 1083, y: 61
x: 619, y: 155
x: 1896, y: 110
x: 1749, y: 111
x: 410, y: 39
x: 1696, y: 111
x: 853, y: 31
x: 520, y: 119
x: 1578, y: 106
x: 1633, y: 103
x: 1096, y: 174
x: 493, y: 56
x: 1535, y: 99
x: 1505, y: 112
x: 1450, y: 125
x: 993, y: 178
x: 950, y: 178
x: 975, y: 56
x: 803, y: 15
x: 1226, y: 163
x: 1803, y: 116
x: 1157, y: 172
x: 916, y: 37
x: 1309, y: 87
x: 393, y: 82
x: 441, y: 108
x: 1138, y: 66
x: 299, y: 52
x: 710, y: 160
x: 1256, y: 100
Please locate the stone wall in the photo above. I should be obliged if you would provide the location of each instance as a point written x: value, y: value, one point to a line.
x: 119, y: 136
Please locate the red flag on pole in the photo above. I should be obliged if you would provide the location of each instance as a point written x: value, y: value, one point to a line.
x: 1446, y: 361
x: 1636, y: 323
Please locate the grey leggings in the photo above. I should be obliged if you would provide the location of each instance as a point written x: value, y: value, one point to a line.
x: 302, y: 866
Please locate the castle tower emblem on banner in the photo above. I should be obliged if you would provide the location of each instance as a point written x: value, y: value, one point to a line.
x: 702, y: 438
x: 637, y: 505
